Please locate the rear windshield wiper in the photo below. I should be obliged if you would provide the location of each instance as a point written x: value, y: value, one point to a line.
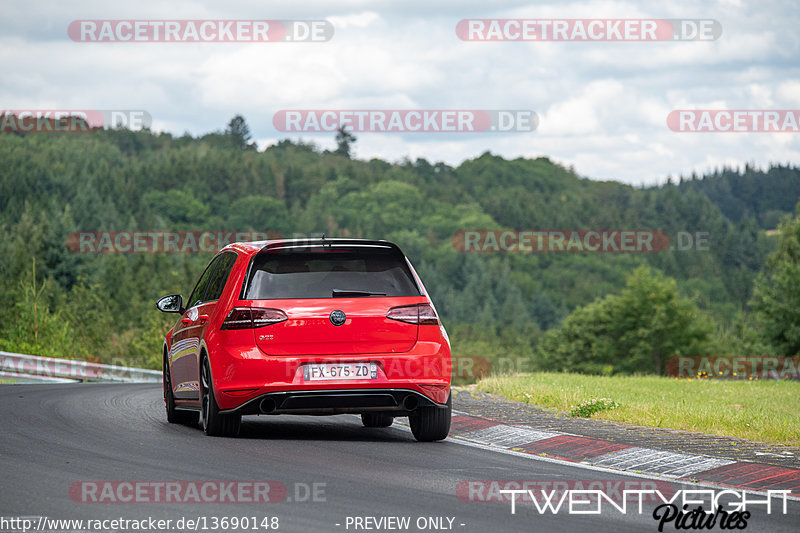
x: 343, y: 293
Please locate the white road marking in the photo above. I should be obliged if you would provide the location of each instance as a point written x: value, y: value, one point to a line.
x: 508, y: 436
x: 660, y: 462
x: 466, y: 441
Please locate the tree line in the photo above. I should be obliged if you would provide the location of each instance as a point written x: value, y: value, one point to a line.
x: 574, y: 311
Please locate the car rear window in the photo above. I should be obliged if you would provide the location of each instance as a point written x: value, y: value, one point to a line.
x: 321, y: 272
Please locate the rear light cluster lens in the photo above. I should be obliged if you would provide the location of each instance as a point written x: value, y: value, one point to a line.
x: 251, y: 318
x: 422, y: 314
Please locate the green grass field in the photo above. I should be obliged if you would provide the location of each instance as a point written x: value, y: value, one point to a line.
x: 761, y: 410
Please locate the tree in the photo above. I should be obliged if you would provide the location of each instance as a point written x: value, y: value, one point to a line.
x: 178, y: 205
x: 343, y: 141
x: 776, y: 294
x: 635, y: 331
x: 239, y: 132
x: 260, y: 213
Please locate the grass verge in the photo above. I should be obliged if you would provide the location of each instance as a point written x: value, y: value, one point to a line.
x: 767, y: 411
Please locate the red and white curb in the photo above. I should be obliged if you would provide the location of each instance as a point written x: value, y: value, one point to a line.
x: 595, y: 452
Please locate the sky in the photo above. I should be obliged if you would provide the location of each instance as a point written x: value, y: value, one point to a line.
x: 602, y: 106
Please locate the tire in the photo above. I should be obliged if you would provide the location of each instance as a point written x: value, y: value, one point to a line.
x: 175, y: 415
x: 214, y: 423
x: 376, y: 420
x: 431, y: 423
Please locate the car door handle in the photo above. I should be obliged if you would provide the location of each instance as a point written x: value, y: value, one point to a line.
x: 203, y: 319
x: 186, y: 321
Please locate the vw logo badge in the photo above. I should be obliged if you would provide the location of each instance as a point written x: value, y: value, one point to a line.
x: 338, y: 317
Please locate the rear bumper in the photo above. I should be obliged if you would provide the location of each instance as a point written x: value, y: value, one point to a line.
x: 398, y: 402
x: 243, y: 375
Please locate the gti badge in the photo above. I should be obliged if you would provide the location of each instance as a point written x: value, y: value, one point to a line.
x: 338, y: 317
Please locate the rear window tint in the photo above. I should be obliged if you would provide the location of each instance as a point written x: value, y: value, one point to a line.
x: 317, y: 274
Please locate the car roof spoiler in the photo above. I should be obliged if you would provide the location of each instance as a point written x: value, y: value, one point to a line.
x: 321, y: 243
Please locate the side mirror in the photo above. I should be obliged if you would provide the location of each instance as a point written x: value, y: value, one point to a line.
x: 171, y: 304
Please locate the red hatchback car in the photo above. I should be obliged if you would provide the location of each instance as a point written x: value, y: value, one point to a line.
x: 308, y: 327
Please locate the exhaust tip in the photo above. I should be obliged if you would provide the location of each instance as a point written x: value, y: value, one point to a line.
x: 410, y: 402
x: 267, y: 405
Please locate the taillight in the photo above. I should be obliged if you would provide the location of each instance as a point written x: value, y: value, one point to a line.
x: 422, y: 314
x: 427, y: 316
x: 265, y: 317
x: 250, y: 318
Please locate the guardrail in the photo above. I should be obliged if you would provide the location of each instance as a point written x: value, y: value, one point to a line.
x: 26, y: 368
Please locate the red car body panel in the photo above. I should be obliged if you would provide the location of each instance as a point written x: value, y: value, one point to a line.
x: 247, y: 364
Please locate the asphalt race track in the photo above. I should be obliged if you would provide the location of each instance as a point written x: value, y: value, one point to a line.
x: 56, y: 440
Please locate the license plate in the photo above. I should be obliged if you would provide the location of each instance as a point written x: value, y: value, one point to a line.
x: 329, y: 371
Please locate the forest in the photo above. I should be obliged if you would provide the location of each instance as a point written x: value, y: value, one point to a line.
x: 722, y: 286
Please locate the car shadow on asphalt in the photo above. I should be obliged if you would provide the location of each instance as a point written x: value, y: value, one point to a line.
x: 322, y: 428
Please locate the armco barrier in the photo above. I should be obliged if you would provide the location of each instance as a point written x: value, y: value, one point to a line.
x: 16, y: 366
x: 14, y: 377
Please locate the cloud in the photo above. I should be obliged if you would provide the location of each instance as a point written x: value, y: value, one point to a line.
x: 603, y: 105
